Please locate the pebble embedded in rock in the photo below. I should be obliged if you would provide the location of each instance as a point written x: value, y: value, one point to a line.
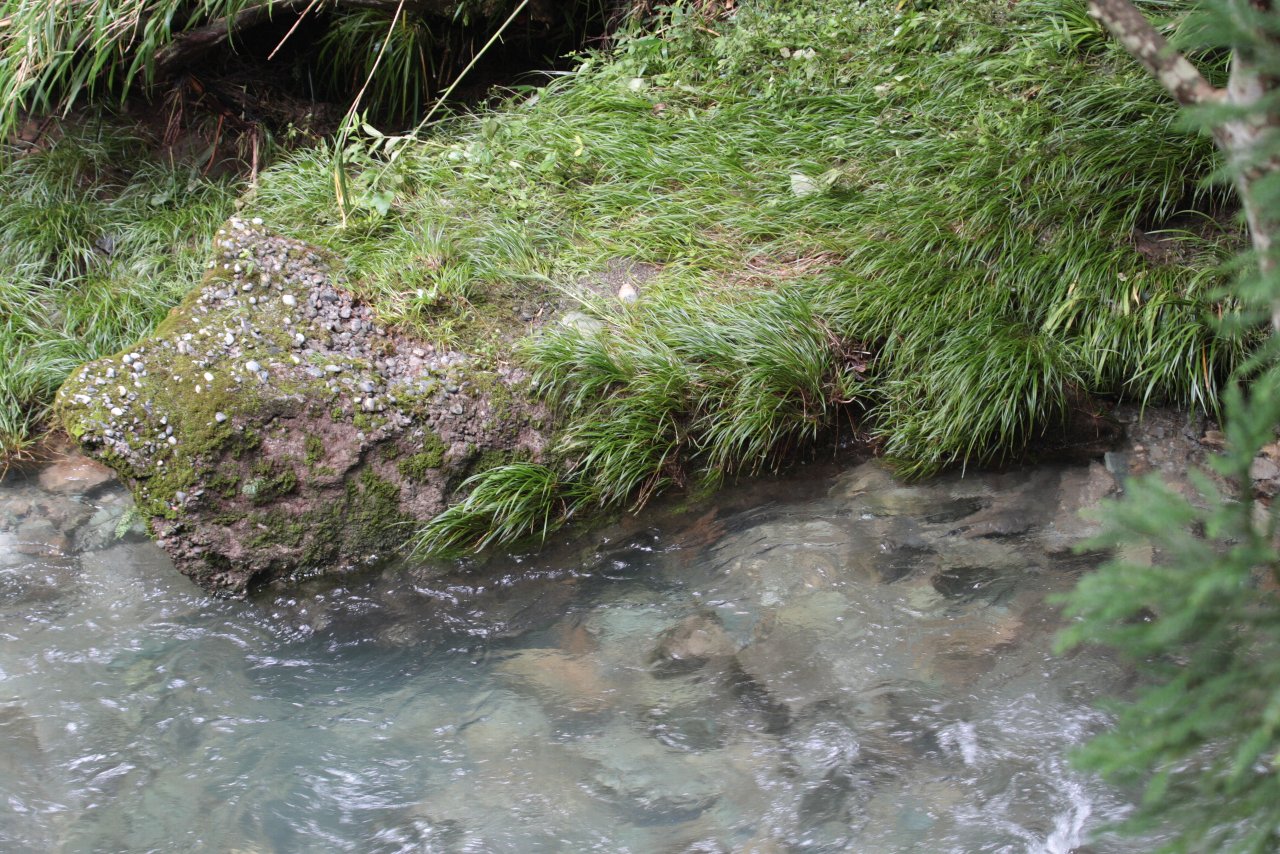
x: 252, y: 367
x: 117, y: 411
x: 289, y: 300
x: 333, y: 369
x: 208, y: 377
x: 219, y: 417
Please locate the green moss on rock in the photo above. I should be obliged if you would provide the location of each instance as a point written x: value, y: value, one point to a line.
x: 269, y: 480
x: 420, y: 465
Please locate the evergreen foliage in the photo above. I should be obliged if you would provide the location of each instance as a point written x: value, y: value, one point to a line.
x: 1202, y: 620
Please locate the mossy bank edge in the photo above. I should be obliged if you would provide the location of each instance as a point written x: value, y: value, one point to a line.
x: 272, y: 427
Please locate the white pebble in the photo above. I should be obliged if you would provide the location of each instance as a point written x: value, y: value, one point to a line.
x: 117, y: 411
x: 289, y: 300
x: 219, y: 417
x: 173, y: 440
x: 333, y: 369
x: 252, y: 367
x: 208, y: 377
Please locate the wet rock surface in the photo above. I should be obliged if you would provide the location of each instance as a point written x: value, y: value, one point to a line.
x: 272, y: 426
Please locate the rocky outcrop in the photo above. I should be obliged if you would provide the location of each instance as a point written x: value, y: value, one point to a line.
x: 273, y: 426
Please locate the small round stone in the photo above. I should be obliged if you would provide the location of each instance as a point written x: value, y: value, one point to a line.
x: 252, y: 366
x: 289, y: 300
x: 208, y: 377
x: 219, y: 417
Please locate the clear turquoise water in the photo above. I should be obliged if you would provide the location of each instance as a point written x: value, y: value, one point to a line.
x: 877, y: 682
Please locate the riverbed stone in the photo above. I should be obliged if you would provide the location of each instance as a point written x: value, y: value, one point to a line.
x: 646, y: 780
x: 253, y: 456
x: 563, y: 682
x: 690, y: 644
x: 1078, y: 514
x: 74, y: 474
x: 37, y: 536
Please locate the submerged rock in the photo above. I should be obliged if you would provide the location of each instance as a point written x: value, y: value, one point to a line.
x: 74, y: 474
x: 690, y: 644
x: 270, y: 436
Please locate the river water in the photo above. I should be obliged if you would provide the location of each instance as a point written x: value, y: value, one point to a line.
x: 826, y: 662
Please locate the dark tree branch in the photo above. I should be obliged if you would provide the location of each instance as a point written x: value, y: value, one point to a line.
x: 1145, y: 43
x: 195, y: 43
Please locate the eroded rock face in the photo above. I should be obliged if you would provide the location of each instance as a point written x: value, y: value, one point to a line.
x: 273, y: 426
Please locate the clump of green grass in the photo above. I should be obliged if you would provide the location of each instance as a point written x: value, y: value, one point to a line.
x: 656, y: 396
x: 956, y: 189
x: 98, y: 240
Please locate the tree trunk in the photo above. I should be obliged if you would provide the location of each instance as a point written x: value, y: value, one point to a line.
x: 1249, y: 143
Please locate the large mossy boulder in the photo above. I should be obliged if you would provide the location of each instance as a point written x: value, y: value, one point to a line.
x: 272, y: 426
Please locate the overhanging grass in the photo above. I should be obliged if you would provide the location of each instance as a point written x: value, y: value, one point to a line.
x: 956, y: 187
x: 919, y: 214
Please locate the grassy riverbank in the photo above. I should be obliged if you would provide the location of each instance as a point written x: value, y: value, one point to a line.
x: 98, y: 239
x: 942, y: 225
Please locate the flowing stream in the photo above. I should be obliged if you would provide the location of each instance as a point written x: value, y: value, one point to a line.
x: 826, y: 662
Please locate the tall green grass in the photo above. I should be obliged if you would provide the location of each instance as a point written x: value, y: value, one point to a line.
x: 956, y: 188
x: 911, y: 219
x: 97, y: 241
